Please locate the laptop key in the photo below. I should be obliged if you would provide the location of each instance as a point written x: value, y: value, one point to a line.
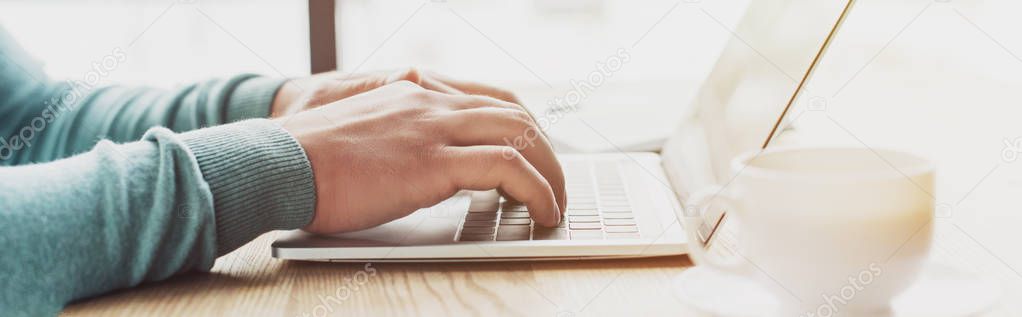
x: 574, y: 219
x: 480, y: 223
x: 616, y: 210
x: 618, y: 215
x: 477, y: 230
x: 619, y: 222
x: 582, y: 212
x: 622, y: 229
x: 549, y: 234
x: 623, y: 235
x: 482, y: 208
x: 476, y: 237
x: 506, y: 208
x: 585, y: 226
x: 516, y: 221
x: 484, y: 202
x: 481, y: 216
x: 514, y: 214
x: 513, y: 233
x: 586, y: 235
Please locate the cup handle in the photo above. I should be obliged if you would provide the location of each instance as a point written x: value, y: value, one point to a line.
x: 702, y: 227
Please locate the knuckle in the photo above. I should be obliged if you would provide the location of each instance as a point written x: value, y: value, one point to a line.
x: 422, y: 96
x: 370, y: 84
x: 320, y: 94
x: 418, y: 112
x: 510, y: 156
x: 506, y: 95
x: 411, y: 74
x: 441, y: 164
x: 522, y: 120
x: 522, y: 116
x: 405, y: 84
x: 433, y: 124
x: 477, y: 101
x: 517, y: 107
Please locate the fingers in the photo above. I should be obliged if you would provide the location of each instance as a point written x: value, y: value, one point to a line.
x: 477, y: 101
x: 346, y: 85
x: 416, y: 76
x: 462, y: 102
x: 474, y: 88
x: 513, y: 129
x: 486, y: 167
x: 440, y: 83
x: 349, y: 84
x: 434, y: 85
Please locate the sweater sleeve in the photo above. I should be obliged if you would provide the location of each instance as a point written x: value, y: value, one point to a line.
x: 123, y: 214
x: 107, y: 188
x: 42, y: 120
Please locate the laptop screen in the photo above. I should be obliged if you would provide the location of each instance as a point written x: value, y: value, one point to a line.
x: 757, y: 75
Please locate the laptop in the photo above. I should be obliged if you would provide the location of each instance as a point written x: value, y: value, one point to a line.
x: 622, y: 205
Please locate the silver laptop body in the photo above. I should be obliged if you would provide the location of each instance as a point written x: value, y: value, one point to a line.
x: 620, y: 205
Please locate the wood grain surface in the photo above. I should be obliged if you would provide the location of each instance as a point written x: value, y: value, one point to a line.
x: 249, y: 282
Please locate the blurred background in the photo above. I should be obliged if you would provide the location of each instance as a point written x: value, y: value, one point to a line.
x: 937, y: 77
x: 187, y: 40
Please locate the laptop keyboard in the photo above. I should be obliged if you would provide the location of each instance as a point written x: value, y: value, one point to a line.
x: 598, y: 208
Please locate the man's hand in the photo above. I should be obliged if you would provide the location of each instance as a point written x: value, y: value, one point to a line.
x: 310, y: 92
x: 380, y: 155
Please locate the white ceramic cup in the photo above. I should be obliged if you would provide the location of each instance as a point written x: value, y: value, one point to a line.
x: 831, y: 231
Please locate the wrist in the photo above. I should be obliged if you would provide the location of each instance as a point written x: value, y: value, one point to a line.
x: 259, y: 176
x: 286, y: 96
x: 252, y: 97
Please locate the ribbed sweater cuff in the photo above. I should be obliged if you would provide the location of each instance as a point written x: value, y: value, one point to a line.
x: 260, y: 178
x: 253, y: 98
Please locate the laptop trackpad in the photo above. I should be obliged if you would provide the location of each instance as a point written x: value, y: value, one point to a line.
x: 427, y: 226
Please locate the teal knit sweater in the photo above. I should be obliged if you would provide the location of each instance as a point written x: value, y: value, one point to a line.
x: 103, y: 188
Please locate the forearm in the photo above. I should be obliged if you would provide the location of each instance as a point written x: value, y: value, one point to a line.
x: 68, y: 120
x: 42, y: 119
x: 120, y: 215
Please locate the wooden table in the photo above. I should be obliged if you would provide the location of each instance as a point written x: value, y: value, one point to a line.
x: 249, y: 282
